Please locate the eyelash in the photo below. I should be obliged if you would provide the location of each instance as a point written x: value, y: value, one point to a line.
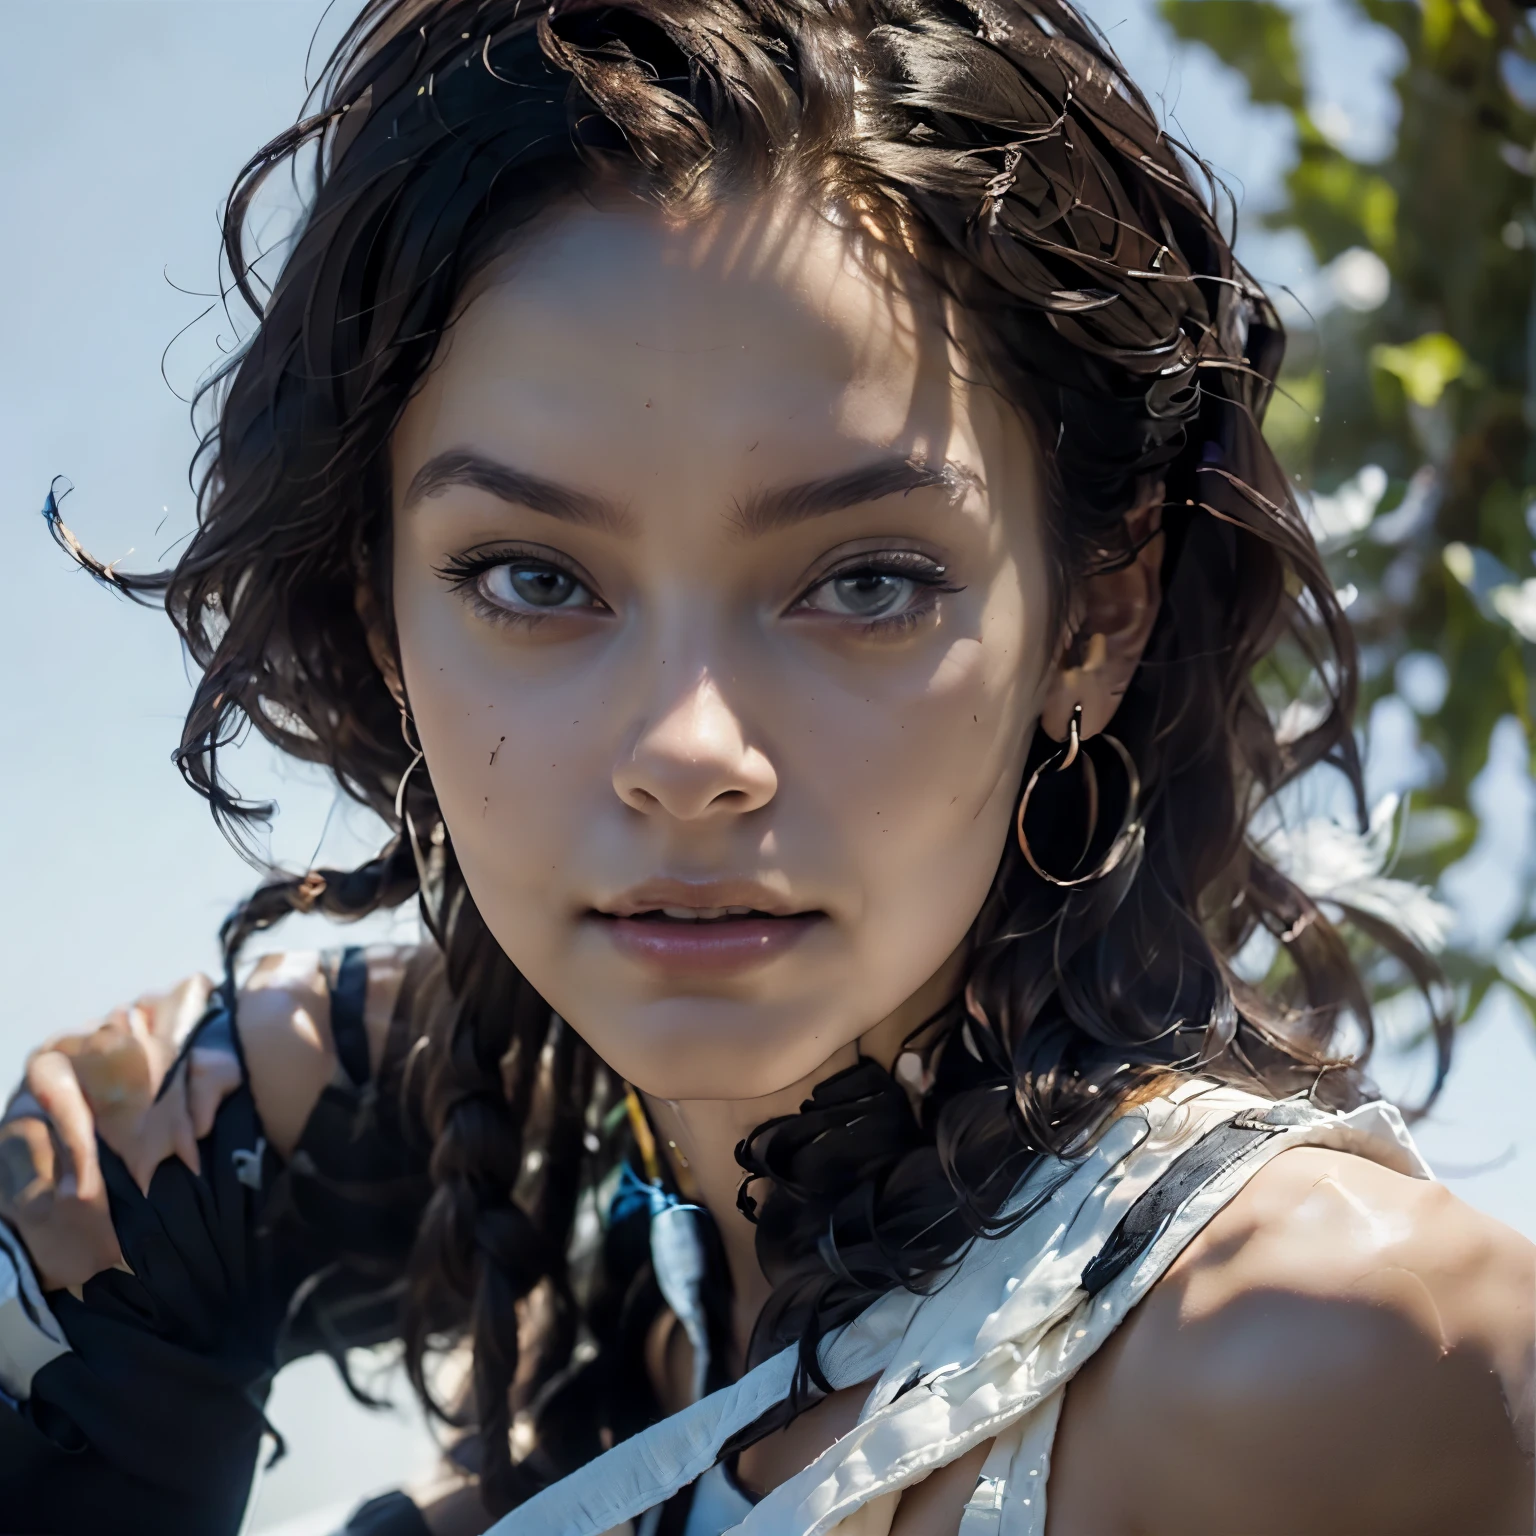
x: 462, y: 572
x: 906, y: 564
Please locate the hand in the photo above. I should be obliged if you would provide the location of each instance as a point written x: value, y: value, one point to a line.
x: 104, y: 1081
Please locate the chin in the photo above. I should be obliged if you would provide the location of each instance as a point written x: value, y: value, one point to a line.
x: 703, y: 1048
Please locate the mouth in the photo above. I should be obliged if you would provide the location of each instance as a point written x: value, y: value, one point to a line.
x: 681, y: 930
x: 693, y: 915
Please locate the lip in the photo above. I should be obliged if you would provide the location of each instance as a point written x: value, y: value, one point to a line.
x: 717, y: 947
x: 651, y: 895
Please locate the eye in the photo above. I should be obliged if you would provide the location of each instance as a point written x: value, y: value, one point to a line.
x: 528, y: 584
x: 896, y: 585
x: 513, y: 586
x: 863, y: 594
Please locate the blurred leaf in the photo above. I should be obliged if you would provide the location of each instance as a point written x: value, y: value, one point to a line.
x: 1445, y: 568
x: 1254, y: 37
x: 1424, y: 367
x: 1335, y: 202
x: 1440, y: 17
x: 1516, y: 605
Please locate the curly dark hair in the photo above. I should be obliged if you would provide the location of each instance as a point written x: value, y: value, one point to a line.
x: 1001, y: 144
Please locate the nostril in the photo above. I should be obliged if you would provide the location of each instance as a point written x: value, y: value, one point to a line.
x: 692, y: 778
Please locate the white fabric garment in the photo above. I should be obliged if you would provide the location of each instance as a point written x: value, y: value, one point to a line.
x: 987, y: 1357
x: 718, y: 1505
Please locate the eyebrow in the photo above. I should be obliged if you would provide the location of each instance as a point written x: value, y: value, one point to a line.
x: 760, y: 513
x: 765, y: 511
x: 460, y: 467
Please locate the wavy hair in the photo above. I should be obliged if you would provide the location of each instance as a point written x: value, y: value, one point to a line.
x: 1002, y: 143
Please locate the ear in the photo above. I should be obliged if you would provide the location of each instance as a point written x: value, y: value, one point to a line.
x: 1109, y: 620
x: 380, y: 646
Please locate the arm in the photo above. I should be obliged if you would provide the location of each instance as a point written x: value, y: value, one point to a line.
x: 1342, y: 1350
x: 108, y: 1082
x: 151, y: 1413
x: 181, y: 1352
x: 105, y: 1081
x: 288, y: 1040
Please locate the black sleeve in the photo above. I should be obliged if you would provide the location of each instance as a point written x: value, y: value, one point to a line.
x: 345, y: 1211
x: 153, y: 1420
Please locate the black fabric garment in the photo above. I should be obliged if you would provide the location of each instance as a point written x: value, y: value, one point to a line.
x: 153, y: 1422
x: 391, y: 1514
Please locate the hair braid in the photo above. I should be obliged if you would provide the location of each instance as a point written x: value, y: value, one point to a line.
x: 506, y: 1100
x: 1002, y: 145
x: 386, y: 880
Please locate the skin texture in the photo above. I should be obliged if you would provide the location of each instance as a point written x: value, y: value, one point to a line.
x: 103, y: 1081
x: 701, y: 708
x: 1389, y: 1324
x: 699, y: 725
x: 700, y: 711
x: 1344, y: 1349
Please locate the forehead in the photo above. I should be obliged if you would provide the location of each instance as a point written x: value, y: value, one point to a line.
x: 615, y: 338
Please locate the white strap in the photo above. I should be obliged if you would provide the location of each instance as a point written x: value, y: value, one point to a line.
x: 647, y: 1469
x: 991, y: 1347
x: 1033, y: 1340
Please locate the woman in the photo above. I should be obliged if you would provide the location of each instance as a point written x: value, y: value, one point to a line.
x: 768, y: 500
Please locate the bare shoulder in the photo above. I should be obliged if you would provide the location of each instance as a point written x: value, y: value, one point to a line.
x: 283, y: 1015
x: 1342, y: 1349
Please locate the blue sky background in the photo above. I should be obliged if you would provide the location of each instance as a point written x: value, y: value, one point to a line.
x: 123, y: 123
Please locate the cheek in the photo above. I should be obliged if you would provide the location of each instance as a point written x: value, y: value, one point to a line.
x: 512, y: 757
x: 920, y: 777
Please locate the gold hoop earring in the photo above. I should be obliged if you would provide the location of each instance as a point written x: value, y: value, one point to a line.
x: 1130, y: 831
x: 417, y: 758
x: 423, y: 863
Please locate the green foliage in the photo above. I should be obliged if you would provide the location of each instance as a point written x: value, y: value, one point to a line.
x: 1337, y: 203
x: 1423, y: 366
x: 1254, y: 37
x: 1434, y: 384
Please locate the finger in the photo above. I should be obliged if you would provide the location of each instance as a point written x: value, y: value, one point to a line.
x: 151, y: 1042
x: 26, y: 1166
x: 138, y: 1021
x: 115, y: 1071
x: 212, y: 1075
x: 69, y: 1240
x: 179, y: 1107
x: 23, y: 1101
x: 171, y: 1014
x: 146, y: 1139
x: 114, y: 1028
x: 53, y: 1083
x: 185, y: 1005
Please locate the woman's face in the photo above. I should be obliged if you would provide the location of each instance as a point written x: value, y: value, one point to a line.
x: 723, y: 616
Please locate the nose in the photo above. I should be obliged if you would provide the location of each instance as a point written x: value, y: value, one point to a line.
x: 693, y: 761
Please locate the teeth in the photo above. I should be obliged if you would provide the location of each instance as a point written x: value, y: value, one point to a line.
x: 703, y: 914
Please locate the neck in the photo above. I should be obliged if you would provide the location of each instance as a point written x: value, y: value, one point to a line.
x: 700, y: 1137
